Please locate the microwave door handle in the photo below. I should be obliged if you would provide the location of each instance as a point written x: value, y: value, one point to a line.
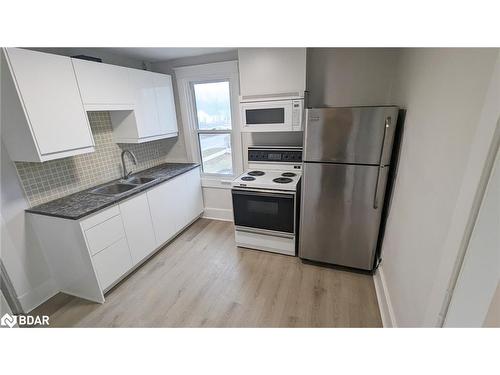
x: 380, y: 166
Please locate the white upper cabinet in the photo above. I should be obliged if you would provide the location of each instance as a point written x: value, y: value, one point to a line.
x: 42, y: 112
x: 165, y: 102
x: 141, y: 103
x: 272, y: 72
x: 153, y: 116
x: 45, y: 98
x: 146, y: 110
x: 103, y: 86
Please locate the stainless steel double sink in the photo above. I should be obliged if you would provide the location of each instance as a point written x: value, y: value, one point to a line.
x: 120, y: 187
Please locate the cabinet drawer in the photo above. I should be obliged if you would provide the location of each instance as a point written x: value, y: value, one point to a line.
x: 112, y: 263
x: 99, y: 217
x: 104, y: 234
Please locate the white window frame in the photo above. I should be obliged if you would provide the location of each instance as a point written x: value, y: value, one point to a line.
x: 186, y: 77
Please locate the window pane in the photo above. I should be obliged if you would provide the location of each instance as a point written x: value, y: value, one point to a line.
x: 216, y: 153
x: 213, y: 106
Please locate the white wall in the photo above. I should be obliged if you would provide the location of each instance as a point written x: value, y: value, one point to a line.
x: 444, y: 91
x: 218, y: 203
x: 21, y: 253
x: 480, y: 273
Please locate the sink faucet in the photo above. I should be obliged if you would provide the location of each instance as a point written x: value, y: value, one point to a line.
x: 134, y: 159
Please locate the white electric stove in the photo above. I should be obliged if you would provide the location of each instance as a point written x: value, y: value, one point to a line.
x: 266, y: 199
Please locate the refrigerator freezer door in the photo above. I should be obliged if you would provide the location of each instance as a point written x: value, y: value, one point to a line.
x: 350, y: 135
x: 339, y: 224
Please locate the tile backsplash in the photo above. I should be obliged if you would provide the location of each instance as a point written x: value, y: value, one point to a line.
x: 50, y: 180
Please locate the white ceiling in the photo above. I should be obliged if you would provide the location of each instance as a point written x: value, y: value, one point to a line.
x: 162, y: 54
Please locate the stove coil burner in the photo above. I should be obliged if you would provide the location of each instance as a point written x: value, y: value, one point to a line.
x: 256, y: 173
x: 288, y: 174
x: 282, y: 180
x: 247, y: 178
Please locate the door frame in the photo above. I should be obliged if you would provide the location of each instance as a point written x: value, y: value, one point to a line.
x: 451, y: 316
x: 480, y: 161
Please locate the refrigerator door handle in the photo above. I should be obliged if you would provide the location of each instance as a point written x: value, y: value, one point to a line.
x: 380, y: 167
x: 375, y: 198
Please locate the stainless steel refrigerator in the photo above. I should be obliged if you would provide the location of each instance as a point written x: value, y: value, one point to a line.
x: 346, y: 157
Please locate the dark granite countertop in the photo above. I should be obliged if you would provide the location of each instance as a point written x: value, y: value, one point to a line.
x: 84, y: 203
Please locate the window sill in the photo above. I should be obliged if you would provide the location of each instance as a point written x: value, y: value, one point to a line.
x: 217, y: 182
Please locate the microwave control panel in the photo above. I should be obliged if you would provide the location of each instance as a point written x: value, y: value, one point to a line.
x: 297, y: 114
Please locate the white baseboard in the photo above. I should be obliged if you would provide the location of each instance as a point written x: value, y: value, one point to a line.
x: 384, y: 300
x: 38, y: 295
x: 218, y: 214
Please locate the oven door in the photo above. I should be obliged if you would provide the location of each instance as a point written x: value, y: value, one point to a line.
x: 264, y: 211
x: 266, y: 116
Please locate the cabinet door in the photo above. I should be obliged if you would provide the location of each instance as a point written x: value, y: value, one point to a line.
x: 166, y: 204
x: 193, y: 200
x: 112, y: 263
x: 138, y: 227
x: 165, y: 103
x: 102, y: 83
x: 272, y: 71
x: 48, y: 89
x: 145, y: 103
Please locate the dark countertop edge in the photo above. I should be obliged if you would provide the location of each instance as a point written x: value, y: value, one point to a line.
x: 105, y: 205
x: 140, y: 189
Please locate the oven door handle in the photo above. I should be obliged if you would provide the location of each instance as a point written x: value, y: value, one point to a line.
x: 263, y: 193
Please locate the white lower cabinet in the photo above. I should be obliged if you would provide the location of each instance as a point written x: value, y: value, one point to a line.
x: 138, y: 227
x: 90, y: 255
x: 176, y: 204
x: 192, y: 196
x: 112, y: 263
x: 101, y: 236
x: 166, y: 209
x: 106, y: 242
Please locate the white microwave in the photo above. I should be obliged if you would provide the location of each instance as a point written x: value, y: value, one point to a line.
x: 272, y: 115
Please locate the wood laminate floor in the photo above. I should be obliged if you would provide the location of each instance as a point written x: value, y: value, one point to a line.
x: 202, y: 279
